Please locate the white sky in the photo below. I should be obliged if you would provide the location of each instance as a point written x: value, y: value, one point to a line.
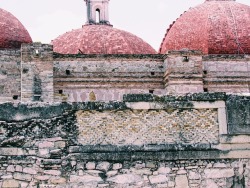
x: 47, y: 19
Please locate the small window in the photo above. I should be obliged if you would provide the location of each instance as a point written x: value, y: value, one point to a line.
x: 185, y: 59
x: 205, y: 90
x: 15, y: 97
x: 151, y: 91
x: 36, y: 97
x: 152, y: 73
x: 205, y: 72
x: 60, y: 91
x: 68, y: 72
x: 97, y: 14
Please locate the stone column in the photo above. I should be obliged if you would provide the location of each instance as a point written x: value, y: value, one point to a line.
x: 183, y: 72
x: 37, y: 72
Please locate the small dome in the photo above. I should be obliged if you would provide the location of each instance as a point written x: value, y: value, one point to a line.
x: 12, y: 32
x: 214, y: 27
x: 100, y: 39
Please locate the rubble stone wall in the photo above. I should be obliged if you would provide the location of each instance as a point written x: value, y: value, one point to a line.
x: 10, y: 75
x: 178, y: 143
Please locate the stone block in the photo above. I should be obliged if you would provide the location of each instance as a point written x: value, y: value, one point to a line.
x: 181, y: 181
x: 211, y: 184
x: 125, y: 179
x: 30, y: 171
x: 103, y: 166
x: 158, y: 179
x: 10, y: 168
x: 164, y: 170
x: 182, y: 172
x: 46, y: 144
x: 143, y: 171
x: 22, y: 176
x: 90, y: 165
x: 57, y: 180
x: 117, y: 166
x: 111, y: 173
x: 10, y: 184
x: 52, y: 172
x: 7, y: 176
x: 193, y: 175
x: 42, y: 177
x: 19, y: 168
x: 150, y: 165
x: 85, y: 179
x: 60, y: 144
x: 219, y: 173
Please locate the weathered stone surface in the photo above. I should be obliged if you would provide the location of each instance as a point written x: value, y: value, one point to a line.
x: 46, y: 144
x: 125, y: 179
x: 30, y: 171
x: 164, y: 170
x: 10, y: 184
x: 53, y: 172
x: 211, y: 184
x: 22, y: 176
x: 111, y: 173
x: 42, y: 177
x: 143, y: 171
x: 150, y: 165
x: 103, y: 166
x: 158, y: 179
x: 10, y: 168
x: 181, y: 172
x: 219, y: 173
x: 57, y: 180
x: 219, y: 165
x: 117, y: 166
x: 7, y: 176
x: 90, y: 165
x: 60, y: 144
x: 84, y: 179
x: 194, y: 175
x: 19, y: 168
x: 181, y: 181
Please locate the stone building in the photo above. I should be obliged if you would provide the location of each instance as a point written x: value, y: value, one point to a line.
x: 99, y: 107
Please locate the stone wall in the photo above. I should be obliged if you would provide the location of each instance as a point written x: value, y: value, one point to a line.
x: 228, y: 73
x: 238, y: 112
x: 37, y: 72
x: 10, y: 75
x: 80, y: 79
x: 78, y: 173
x: 56, y: 145
x: 183, y: 72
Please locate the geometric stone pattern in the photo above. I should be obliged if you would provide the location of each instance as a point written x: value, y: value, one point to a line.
x: 142, y: 127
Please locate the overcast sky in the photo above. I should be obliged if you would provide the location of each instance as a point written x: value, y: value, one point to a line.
x: 47, y: 19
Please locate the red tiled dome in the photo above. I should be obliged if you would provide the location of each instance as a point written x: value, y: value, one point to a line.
x: 100, y: 39
x: 214, y: 27
x: 12, y: 32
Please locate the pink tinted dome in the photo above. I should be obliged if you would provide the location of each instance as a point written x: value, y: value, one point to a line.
x: 12, y: 32
x: 100, y: 39
x: 214, y: 27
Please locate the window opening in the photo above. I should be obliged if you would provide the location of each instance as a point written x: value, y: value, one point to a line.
x: 97, y: 13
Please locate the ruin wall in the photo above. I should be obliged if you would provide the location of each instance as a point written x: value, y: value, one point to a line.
x: 144, y: 141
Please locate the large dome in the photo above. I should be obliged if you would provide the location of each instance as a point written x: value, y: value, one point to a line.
x: 214, y: 27
x: 12, y: 32
x: 100, y: 39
